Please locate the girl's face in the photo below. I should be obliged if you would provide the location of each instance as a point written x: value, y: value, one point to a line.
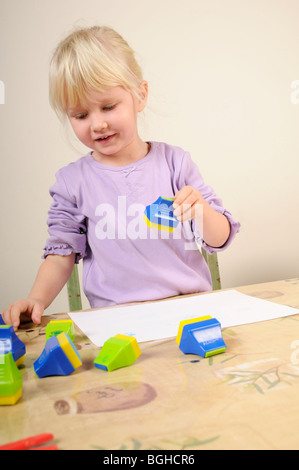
x: 107, y: 123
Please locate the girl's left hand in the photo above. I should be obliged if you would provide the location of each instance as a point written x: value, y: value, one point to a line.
x: 188, y: 204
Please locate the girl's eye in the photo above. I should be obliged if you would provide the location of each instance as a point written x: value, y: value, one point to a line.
x: 109, y: 107
x: 81, y: 116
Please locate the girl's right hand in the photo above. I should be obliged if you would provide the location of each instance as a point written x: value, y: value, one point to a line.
x: 31, y: 308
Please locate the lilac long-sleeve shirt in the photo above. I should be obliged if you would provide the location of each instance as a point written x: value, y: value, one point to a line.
x: 97, y: 213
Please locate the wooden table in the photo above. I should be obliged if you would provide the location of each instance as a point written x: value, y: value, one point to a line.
x: 246, y: 398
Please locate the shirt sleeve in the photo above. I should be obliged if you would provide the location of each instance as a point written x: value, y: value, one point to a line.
x: 193, y: 178
x: 66, y: 225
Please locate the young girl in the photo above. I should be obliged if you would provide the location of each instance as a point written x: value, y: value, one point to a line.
x: 99, y: 200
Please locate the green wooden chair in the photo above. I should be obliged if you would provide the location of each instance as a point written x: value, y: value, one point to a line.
x: 74, y: 291
x: 212, y: 262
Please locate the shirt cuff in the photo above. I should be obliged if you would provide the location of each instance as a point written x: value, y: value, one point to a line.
x: 62, y: 250
x: 234, y: 229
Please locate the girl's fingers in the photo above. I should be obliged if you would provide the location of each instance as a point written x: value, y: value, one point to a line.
x: 186, y: 202
x: 37, y: 314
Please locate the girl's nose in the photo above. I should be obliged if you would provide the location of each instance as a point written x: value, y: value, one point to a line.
x: 98, y: 124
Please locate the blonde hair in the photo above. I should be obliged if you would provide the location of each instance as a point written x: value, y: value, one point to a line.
x: 88, y: 59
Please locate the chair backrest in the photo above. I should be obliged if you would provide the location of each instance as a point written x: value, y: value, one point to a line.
x: 74, y: 292
x: 212, y: 262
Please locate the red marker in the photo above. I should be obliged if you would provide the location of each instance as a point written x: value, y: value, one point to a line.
x: 31, y: 443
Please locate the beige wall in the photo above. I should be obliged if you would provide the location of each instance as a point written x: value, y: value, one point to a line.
x: 220, y: 74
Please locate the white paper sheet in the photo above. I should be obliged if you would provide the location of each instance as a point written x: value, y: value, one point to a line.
x: 158, y: 320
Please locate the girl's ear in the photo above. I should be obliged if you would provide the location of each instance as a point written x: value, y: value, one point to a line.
x: 143, y: 94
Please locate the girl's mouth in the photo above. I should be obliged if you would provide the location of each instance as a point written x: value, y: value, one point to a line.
x: 105, y: 139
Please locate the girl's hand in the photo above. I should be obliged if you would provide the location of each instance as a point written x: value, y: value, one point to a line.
x: 31, y: 308
x: 188, y: 204
x: 51, y: 277
x: 213, y: 226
